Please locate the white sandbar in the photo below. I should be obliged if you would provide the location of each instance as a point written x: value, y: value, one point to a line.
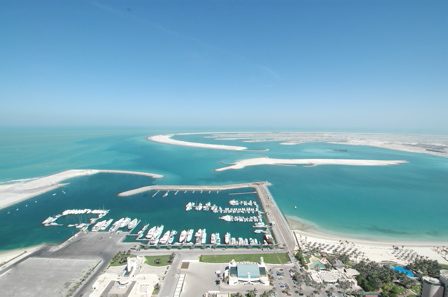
x: 309, y: 162
x: 167, y: 139
x: 12, y: 193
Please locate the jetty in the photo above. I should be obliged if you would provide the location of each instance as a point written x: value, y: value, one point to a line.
x: 184, y: 188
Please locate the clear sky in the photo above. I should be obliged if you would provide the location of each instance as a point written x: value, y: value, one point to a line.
x: 379, y: 65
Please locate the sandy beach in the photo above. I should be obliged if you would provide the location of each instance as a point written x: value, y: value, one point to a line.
x: 309, y: 162
x: 12, y: 193
x: 398, y: 251
x: 167, y: 139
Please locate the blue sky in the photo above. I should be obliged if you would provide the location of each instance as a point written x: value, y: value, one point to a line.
x: 317, y: 64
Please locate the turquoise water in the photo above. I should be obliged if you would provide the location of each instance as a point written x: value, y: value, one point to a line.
x: 21, y: 223
x: 406, y: 202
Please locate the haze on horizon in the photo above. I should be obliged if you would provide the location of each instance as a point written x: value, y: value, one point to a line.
x: 327, y: 65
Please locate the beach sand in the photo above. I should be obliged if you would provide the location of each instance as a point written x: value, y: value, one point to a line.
x: 12, y: 193
x: 167, y: 139
x: 309, y: 162
x: 398, y: 251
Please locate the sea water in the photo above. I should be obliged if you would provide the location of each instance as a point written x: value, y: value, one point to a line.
x: 407, y: 201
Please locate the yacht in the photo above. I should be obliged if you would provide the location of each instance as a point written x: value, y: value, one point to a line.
x: 183, y: 236
x: 204, y: 236
x: 190, y: 235
x: 142, y: 231
x: 165, y: 237
x: 227, y: 238
x: 172, y: 234
x: 151, y: 232
x: 132, y: 224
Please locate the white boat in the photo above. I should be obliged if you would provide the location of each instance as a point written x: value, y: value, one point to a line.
x: 218, y: 239
x: 260, y: 231
x: 142, y: 231
x: 189, y: 206
x: 227, y: 238
x: 234, y: 202
x: 165, y: 237
x: 106, y: 224
x: 227, y: 218
x: 133, y: 224
x: 204, y: 236
x: 198, y: 236
x: 172, y: 234
x: 183, y: 236
x: 125, y: 222
x: 151, y: 232
x: 189, y: 235
x: 213, y: 238
x: 260, y: 225
x: 166, y: 194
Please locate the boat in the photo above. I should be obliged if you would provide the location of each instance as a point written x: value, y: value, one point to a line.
x: 204, y: 236
x: 233, y: 202
x: 213, y: 238
x: 165, y: 238
x: 172, y: 234
x: 260, y: 231
x: 189, y: 206
x: 166, y: 194
x: 189, y: 235
x: 260, y: 225
x: 125, y: 222
x: 227, y: 218
x: 133, y: 224
x: 183, y: 236
x: 151, y: 232
x: 227, y: 238
x: 142, y: 231
x: 198, y: 236
x: 218, y: 239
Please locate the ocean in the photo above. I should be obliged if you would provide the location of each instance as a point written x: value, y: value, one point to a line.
x: 406, y: 202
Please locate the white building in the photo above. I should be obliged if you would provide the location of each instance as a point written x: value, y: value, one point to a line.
x: 253, y: 273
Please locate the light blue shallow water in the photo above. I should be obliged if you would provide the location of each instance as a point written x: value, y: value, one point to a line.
x: 409, y: 201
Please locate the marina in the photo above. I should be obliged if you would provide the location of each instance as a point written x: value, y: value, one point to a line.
x: 215, y: 218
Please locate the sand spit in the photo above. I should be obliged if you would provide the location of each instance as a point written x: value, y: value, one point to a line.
x: 309, y: 162
x: 12, y: 193
x: 167, y: 139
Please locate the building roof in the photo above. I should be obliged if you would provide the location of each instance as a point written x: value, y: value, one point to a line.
x: 248, y: 271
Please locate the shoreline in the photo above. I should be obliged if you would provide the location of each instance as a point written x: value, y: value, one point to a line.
x: 402, y: 251
x: 310, y: 229
x: 308, y: 162
x: 167, y: 139
x: 13, y: 193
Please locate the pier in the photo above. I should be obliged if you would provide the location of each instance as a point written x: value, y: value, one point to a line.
x: 186, y: 188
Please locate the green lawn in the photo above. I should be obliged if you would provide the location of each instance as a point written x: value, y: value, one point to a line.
x: 163, y: 260
x: 272, y: 258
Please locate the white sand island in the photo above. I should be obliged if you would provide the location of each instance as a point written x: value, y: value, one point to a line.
x: 167, y: 139
x: 309, y: 162
x: 12, y: 193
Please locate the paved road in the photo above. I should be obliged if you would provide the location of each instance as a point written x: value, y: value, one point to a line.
x: 168, y: 286
x: 280, y: 227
